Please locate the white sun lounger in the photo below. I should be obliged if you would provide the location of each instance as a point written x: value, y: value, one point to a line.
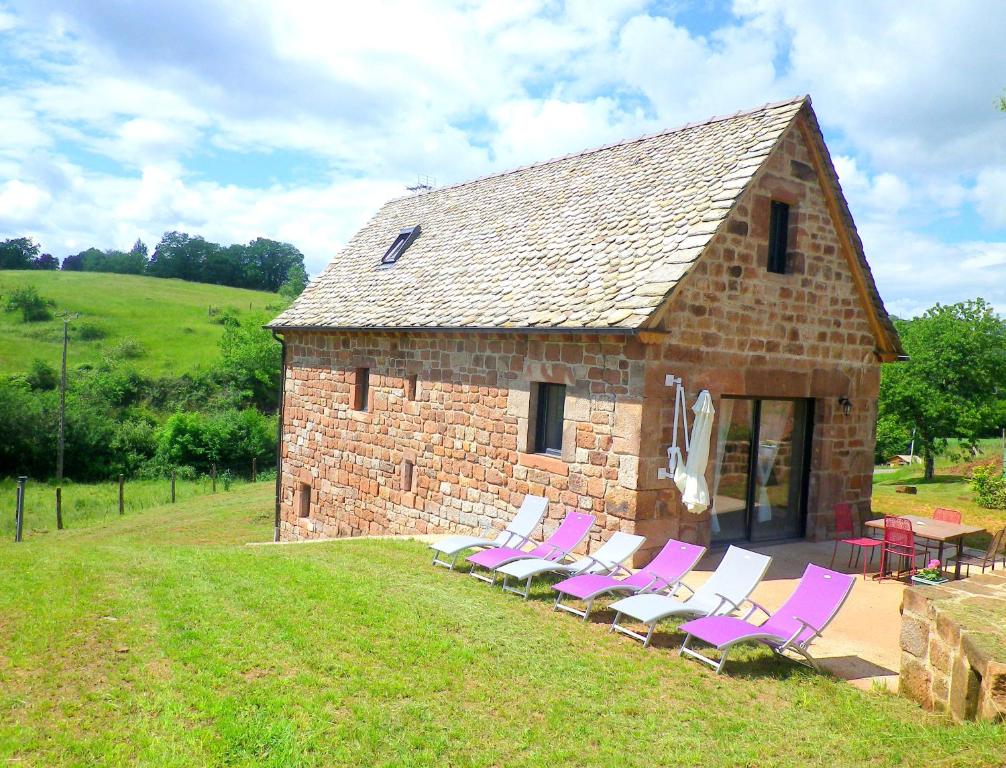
x: 615, y: 551
x: 731, y: 583
x: 516, y: 534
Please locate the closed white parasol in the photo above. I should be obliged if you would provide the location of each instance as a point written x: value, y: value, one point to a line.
x: 691, y: 477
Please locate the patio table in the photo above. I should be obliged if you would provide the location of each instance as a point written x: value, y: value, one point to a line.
x: 936, y: 530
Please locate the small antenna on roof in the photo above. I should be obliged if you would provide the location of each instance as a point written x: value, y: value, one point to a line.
x: 423, y: 184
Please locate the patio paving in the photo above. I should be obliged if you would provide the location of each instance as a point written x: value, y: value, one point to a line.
x: 861, y: 645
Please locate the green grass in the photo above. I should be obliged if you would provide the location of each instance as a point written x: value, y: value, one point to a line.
x: 159, y: 639
x: 86, y: 503
x: 168, y: 319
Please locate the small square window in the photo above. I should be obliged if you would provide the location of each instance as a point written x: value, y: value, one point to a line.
x: 304, y: 500
x: 778, y: 233
x: 361, y: 399
x: 548, y: 419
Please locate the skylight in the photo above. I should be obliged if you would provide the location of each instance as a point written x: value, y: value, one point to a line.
x: 403, y: 241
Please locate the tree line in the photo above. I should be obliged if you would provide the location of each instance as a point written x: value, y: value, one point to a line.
x: 262, y: 264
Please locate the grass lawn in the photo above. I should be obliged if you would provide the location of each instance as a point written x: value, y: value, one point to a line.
x: 160, y: 639
x: 169, y: 319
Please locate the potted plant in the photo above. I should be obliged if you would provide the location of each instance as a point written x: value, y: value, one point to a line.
x: 931, y: 574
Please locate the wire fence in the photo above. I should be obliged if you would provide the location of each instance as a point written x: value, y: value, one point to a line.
x: 45, y: 507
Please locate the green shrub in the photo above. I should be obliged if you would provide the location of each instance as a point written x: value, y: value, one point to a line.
x: 32, y: 306
x: 989, y: 486
x: 91, y: 332
x: 228, y: 439
x: 42, y: 376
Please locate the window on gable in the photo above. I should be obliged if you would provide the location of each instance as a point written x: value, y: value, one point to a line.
x: 778, y: 232
x: 548, y: 419
x: 404, y: 240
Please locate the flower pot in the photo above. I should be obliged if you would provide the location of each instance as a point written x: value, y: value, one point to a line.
x: 931, y: 582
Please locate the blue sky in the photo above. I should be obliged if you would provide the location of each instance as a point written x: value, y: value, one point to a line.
x: 297, y: 120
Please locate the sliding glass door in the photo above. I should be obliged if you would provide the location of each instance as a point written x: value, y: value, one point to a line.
x: 759, y: 476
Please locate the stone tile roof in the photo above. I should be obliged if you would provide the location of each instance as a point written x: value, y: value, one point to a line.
x: 595, y: 240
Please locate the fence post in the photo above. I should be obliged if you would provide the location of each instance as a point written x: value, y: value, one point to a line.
x: 59, y: 508
x: 173, y: 486
x: 254, y: 469
x: 19, y: 510
x: 122, y: 505
x: 213, y: 476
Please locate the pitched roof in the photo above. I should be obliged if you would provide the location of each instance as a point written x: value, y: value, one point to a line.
x: 595, y: 240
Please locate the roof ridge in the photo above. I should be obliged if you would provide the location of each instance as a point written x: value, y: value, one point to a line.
x: 805, y: 99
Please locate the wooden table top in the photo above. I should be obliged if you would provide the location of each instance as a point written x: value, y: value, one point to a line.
x: 927, y: 528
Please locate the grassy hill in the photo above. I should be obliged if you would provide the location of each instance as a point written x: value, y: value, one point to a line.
x: 165, y: 324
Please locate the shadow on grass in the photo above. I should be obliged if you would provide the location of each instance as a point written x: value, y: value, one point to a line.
x: 919, y: 480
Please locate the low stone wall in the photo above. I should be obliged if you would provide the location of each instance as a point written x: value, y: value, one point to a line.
x: 953, y: 647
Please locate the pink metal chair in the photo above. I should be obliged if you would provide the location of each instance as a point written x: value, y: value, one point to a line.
x: 945, y: 515
x: 806, y: 614
x: 899, y: 542
x: 845, y: 533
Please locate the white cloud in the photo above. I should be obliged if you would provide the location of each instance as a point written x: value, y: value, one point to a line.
x: 106, y: 129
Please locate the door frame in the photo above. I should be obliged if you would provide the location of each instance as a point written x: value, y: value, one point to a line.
x: 804, y: 477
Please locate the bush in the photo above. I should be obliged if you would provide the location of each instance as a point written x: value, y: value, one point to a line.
x: 989, y: 486
x: 91, y: 332
x: 32, y: 306
x: 228, y: 439
x: 42, y: 376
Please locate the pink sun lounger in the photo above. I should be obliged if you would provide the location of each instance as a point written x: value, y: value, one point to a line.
x: 564, y: 539
x: 663, y: 572
x: 816, y: 600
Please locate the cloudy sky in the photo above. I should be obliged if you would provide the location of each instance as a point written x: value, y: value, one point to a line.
x: 295, y: 120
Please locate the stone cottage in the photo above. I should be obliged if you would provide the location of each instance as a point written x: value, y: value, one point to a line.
x: 514, y: 334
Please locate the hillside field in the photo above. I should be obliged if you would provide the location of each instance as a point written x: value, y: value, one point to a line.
x: 167, y: 322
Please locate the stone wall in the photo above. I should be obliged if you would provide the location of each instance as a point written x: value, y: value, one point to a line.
x: 444, y: 443
x: 735, y: 328
x: 953, y: 647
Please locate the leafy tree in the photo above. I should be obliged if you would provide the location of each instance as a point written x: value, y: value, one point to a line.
x: 18, y: 253
x: 73, y: 263
x: 269, y: 263
x: 32, y: 306
x: 42, y: 376
x: 250, y: 360
x: 45, y: 261
x: 295, y: 283
x: 949, y: 385
x: 181, y: 255
x: 228, y: 439
x: 892, y: 438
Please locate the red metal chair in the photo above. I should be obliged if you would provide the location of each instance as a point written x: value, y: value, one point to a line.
x: 899, y: 542
x: 947, y: 515
x: 845, y: 533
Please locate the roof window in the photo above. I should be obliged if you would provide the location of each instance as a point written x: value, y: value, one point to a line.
x: 403, y: 241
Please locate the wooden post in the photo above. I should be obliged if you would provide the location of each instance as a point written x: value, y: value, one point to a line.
x: 59, y: 508
x: 173, y: 486
x: 122, y: 504
x: 254, y: 469
x: 213, y: 476
x: 19, y: 510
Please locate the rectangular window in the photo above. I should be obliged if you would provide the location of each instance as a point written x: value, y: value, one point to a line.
x: 778, y: 233
x: 548, y: 419
x: 362, y: 392
x: 411, y: 387
x: 304, y: 500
